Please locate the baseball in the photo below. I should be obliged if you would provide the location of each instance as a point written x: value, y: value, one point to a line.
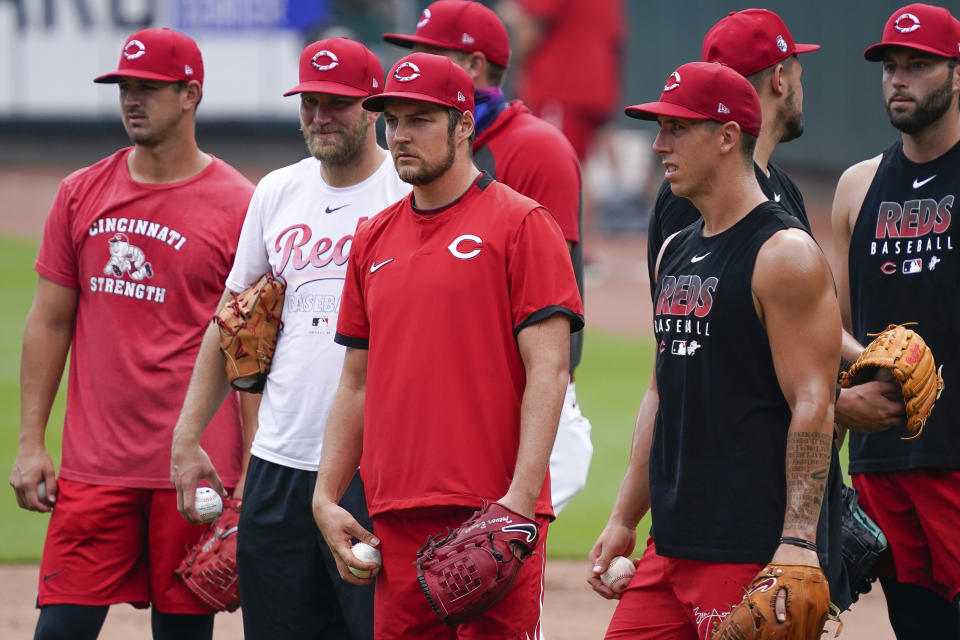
x: 366, y: 553
x: 618, y: 574
x: 42, y: 491
x: 208, y: 504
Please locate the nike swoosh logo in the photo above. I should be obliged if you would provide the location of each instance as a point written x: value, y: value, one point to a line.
x: 919, y: 183
x: 329, y: 210
x: 50, y: 575
x: 776, y: 197
x: 376, y: 266
x: 699, y: 258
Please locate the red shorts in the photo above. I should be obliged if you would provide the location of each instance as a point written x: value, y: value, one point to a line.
x: 110, y: 544
x: 580, y: 128
x: 400, y: 609
x: 919, y: 512
x: 678, y: 599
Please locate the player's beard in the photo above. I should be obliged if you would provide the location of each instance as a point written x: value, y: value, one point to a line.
x: 346, y: 149
x: 928, y: 109
x: 791, y: 115
x: 428, y: 172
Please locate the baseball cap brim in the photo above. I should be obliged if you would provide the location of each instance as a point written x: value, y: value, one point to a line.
x: 120, y: 74
x: 375, y: 103
x: 333, y: 88
x: 651, y: 110
x: 409, y: 42
x: 875, y: 53
x: 805, y: 48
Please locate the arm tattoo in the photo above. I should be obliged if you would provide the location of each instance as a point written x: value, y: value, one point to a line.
x: 807, y: 466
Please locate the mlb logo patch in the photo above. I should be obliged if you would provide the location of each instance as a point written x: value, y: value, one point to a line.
x: 912, y: 266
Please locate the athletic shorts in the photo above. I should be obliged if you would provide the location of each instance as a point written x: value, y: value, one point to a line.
x: 110, y: 544
x: 571, y: 454
x: 400, y: 607
x: 580, y: 128
x: 919, y: 511
x: 678, y: 599
x: 289, y: 580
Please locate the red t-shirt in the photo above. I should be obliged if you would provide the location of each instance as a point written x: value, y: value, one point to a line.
x: 438, y: 300
x: 150, y: 262
x: 577, y: 61
x: 535, y: 159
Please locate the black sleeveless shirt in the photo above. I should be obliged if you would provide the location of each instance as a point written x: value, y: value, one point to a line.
x: 717, y: 464
x: 905, y: 267
x: 672, y: 213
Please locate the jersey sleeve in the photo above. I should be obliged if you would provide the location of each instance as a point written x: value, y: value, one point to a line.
x: 353, y: 326
x: 57, y: 259
x: 546, y: 170
x: 251, y: 260
x: 541, y: 275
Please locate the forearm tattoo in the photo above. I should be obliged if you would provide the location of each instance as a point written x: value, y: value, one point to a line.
x: 808, y: 464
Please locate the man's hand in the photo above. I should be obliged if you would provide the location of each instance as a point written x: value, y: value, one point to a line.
x: 871, y: 407
x: 790, y: 554
x: 189, y: 464
x: 339, y: 528
x: 614, y: 540
x: 32, y: 466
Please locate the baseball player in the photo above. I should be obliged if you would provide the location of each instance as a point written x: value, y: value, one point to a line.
x: 130, y: 268
x: 300, y: 226
x: 456, y: 313
x: 736, y: 429
x: 543, y: 32
x: 895, y: 258
x: 531, y: 157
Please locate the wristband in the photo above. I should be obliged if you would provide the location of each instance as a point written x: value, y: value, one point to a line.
x: 799, y: 542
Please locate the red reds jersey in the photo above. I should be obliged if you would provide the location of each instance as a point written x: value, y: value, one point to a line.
x: 439, y: 299
x: 534, y: 158
x: 150, y: 261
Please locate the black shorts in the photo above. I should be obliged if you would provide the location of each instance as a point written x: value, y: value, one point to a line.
x: 289, y: 582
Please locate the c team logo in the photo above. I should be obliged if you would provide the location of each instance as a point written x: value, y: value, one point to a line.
x: 324, y: 60
x: 672, y: 82
x: 407, y: 72
x: 888, y: 268
x: 133, y: 50
x: 906, y: 22
x: 424, y: 18
x: 454, y: 247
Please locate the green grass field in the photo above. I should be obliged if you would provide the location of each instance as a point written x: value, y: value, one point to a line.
x: 610, y: 382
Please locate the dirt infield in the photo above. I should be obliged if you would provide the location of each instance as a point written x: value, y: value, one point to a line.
x: 571, y: 611
x: 617, y: 300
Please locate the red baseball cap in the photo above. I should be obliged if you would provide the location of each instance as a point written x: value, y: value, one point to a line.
x: 751, y: 40
x: 919, y: 26
x: 462, y: 25
x: 339, y: 66
x: 705, y: 91
x: 427, y: 78
x: 158, y: 54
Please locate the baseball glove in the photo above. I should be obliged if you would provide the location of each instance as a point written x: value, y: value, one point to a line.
x: 861, y: 544
x: 807, y: 604
x: 465, y: 571
x: 210, y: 567
x: 249, y: 325
x: 909, y: 360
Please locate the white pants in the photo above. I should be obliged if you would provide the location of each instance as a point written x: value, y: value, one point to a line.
x: 572, y: 451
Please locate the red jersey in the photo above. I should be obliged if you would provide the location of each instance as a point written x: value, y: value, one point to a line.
x: 150, y: 262
x: 577, y: 61
x: 439, y: 299
x: 533, y: 158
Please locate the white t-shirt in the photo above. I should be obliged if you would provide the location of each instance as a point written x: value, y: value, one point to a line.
x: 301, y: 228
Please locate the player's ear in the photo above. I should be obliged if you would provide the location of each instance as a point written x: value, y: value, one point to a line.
x: 191, y: 95
x: 729, y: 136
x: 778, y: 80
